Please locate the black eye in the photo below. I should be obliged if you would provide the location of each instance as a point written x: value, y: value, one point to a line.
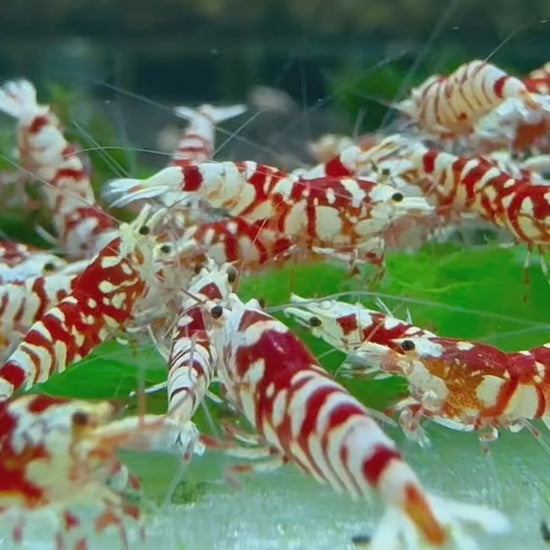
x: 407, y: 345
x: 231, y: 274
x: 80, y: 419
x: 144, y: 230
x: 314, y: 322
x: 166, y: 249
x: 361, y: 540
x: 198, y: 269
x: 397, y: 197
x: 50, y: 266
x: 261, y: 301
x: 385, y: 171
x: 216, y: 312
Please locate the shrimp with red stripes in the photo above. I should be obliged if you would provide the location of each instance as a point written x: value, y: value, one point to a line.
x: 460, y: 384
x: 239, y: 188
x: 193, y: 360
x: 102, y: 301
x: 58, y: 462
x: 347, y: 326
x: 23, y: 303
x: 450, y: 106
x: 306, y: 417
x: 330, y: 215
x: 82, y: 226
x: 477, y: 185
x: 467, y: 385
x: 196, y: 144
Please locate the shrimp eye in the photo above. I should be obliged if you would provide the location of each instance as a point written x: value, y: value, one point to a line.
x: 314, y: 322
x: 166, y: 249
x: 50, y: 266
x: 361, y: 540
x: 545, y: 531
x: 144, y: 230
x: 407, y: 345
x: 216, y: 312
x: 197, y: 269
x: 231, y: 274
x: 397, y: 197
x: 80, y: 419
x: 261, y: 301
x: 385, y: 171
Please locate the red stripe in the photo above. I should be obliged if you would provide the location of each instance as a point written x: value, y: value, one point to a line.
x: 335, y: 167
x: 40, y: 403
x: 192, y: 178
x: 13, y: 373
x: 374, y: 466
x: 428, y: 161
x: 38, y: 123
x: 499, y: 86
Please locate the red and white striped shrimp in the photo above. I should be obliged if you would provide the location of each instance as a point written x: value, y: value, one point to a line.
x: 462, y: 385
x: 342, y: 216
x: 20, y: 261
x: 450, y: 106
x: 82, y: 226
x: 23, y: 303
x: 460, y: 184
x: 295, y: 406
x: 196, y: 143
x: 193, y: 360
x: 466, y: 385
x: 239, y: 188
x: 58, y: 460
x: 323, y: 215
x: 347, y: 326
x: 102, y: 301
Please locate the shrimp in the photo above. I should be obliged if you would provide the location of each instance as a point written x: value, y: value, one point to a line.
x: 459, y: 184
x: 102, y: 300
x: 58, y: 461
x: 306, y: 417
x: 83, y: 227
x: 450, y: 106
x: 23, y: 303
x: 193, y: 360
x: 459, y: 384
x: 196, y: 144
x: 341, y: 215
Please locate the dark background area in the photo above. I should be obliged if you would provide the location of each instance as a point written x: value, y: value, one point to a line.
x: 342, y: 61
x: 220, y: 48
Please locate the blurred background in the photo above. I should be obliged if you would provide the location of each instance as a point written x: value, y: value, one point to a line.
x: 339, y: 63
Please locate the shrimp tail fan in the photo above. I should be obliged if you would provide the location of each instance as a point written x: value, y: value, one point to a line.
x: 216, y: 114
x: 18, y: 98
